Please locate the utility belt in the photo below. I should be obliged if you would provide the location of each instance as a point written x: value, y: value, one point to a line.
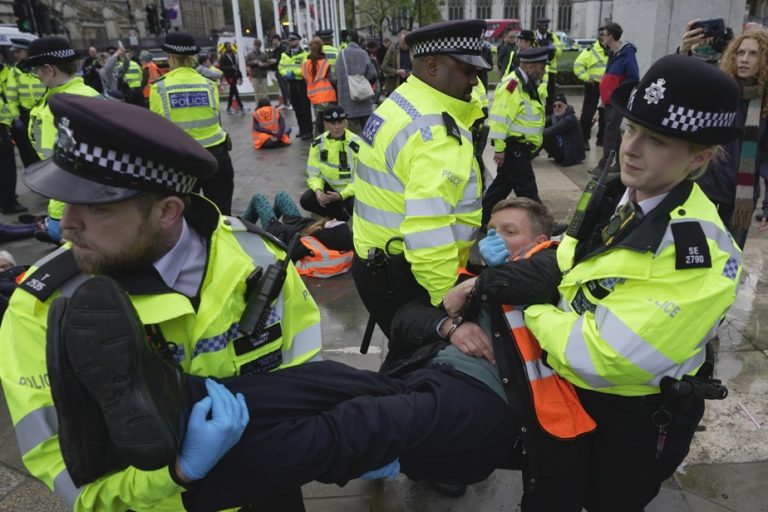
x: 391, y: 272
x: 519, y: 147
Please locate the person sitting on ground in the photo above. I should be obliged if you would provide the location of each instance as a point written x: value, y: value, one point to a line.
x: 331, y: 167
x: 563, y: 139
x: 269, y: 129
x: 325, y: 244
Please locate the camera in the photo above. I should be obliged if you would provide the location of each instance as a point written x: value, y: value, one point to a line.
x: 712, y: 28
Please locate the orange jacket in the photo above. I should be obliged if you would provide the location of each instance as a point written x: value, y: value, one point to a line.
x: 153, y: 74
x: 319, y: 87
x: 268, y: 119
x: 323, y: 262
x: 557, y: 406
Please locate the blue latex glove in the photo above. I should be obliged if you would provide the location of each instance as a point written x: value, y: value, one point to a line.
x: 493, y: 249
x: 207, y: 441
x: 18, y: 124
x: 53, y: 227
x: 389, y: 471
x: 289, y: 75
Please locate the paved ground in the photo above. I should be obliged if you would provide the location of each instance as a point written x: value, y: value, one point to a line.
x: 725, y: 471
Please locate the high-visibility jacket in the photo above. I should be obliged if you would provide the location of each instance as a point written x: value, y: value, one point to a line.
x: 331, y: 54
x: 516, y: 113
x: 417, y: 178
x: 290, y: 63
x: 333, y: 162
x: 319, y: 86
x: 644, y: 308
x: 556, y: 44
x: 205, y: 336
x: 24, y: 90
x: 556, y: 405
x: 153, y: 73
x: 589, y: 66
x: 323, y: 262
x: 191, y: 101
x: 6, y: 118
x: 510, y: 67
x: 132, y: 75
x: 268, y: 118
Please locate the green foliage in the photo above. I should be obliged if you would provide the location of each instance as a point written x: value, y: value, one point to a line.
x: 380, y: 13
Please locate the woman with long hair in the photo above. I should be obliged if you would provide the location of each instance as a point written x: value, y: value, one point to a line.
x: 320, y: 88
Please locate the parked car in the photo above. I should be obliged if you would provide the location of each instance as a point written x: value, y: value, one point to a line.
x: 565, y: 40
x: 582, y: 43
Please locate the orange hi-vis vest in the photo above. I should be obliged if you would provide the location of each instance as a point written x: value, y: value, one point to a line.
x: 268, y: 119
x: 323, y: 262
x: 153, y: 74
x: 319, y: 87
x: 557, y: 406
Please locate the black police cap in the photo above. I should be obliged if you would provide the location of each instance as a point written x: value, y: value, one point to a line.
x: 544, y: 22
x: 180, y: 43
x: 539, y: 54
x: 19, y: 44
x: 109, y: 151
x: 326, y: 32
x: 683, y: 98
x: 334, y: 113
x: 294, y: 36
x: 49, y: 50
x: 462, y: 40
x: 528, y: 35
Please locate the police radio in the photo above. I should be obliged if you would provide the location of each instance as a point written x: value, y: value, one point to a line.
x: 263, y: 294
x: 588, y: 206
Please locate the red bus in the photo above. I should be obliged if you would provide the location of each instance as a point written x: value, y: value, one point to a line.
x: 496, y: 28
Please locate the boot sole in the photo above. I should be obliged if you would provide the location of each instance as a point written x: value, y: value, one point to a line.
x: 107, y: 356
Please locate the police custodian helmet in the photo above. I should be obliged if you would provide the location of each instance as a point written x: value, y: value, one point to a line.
x: 684, y: 98
x: 108, y: 152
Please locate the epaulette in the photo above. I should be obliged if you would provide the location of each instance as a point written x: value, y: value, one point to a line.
x: 53, y: 271
x: 512, y: 85
x: 161, y: 77
x: 354, y: 146
x: 317, y: 140
x: 691, y: 247
x: 451, y: 127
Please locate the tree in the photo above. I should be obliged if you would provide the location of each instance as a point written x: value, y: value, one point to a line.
x: 398, y: 13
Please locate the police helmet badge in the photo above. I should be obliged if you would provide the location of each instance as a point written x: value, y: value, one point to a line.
x: 65, y: 137
x: 655, y: 92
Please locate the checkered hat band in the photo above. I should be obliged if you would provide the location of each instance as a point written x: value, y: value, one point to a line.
x: 689, y: 120
x: 448, y: 45
x: 181, y: 49
x: 130, y: 166
x: 69, y: 53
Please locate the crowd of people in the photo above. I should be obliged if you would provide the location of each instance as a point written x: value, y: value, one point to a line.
x: 181, y: 348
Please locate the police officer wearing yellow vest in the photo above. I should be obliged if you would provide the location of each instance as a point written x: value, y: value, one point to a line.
x: 330, y: 168
x: 191, y: 101
x: 9, y: 202
x: 23, y: 92
x: 549, y: 40
x: 53, y: 61
x: 417, y: 186
x: 589, y: 67
x: 330, y: 51
x: 516, y: 128
x: 290, y: 68
x: 127, y: 178
x: 132, y: 79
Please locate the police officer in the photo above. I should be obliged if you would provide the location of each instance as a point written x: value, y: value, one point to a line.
x: 330, y: 51
x: 127, y: 178
x: 190, y: 100
x: 547, y: 39
x: 53, y: 61
x: 9, y: 202
x: 290, y: 67
x: 517, y: 124
x: 330, y: 168
x: 24, y: 89
x: 589, y: 67
x: 132, y: 78
x: 525, y: 39
x: 417, y: 186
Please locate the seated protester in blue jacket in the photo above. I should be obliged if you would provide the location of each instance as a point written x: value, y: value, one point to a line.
x: 562, y: 134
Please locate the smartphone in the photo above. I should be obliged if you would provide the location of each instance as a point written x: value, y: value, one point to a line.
x: 712, y: 28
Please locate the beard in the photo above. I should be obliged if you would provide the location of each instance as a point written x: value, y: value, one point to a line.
x: 148, y: 247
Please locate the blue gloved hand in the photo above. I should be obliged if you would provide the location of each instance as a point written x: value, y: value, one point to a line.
x: 493, y: 249
x: 207, y: 441
x: 389, y: 471
x: 53, y: 227
x: 289, y: 75
x: 18, y: 124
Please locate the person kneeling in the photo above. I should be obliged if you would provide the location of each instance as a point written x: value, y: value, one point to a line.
x: 269, y: 129
x: 562, y: 135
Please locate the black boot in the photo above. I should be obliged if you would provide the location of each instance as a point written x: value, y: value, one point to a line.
x: 141, y: 394
x: 83, y: 436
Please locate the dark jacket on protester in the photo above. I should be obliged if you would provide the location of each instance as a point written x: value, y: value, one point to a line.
x: 565, y: 131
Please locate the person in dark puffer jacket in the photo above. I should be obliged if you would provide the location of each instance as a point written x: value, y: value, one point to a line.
x: 563, y: 140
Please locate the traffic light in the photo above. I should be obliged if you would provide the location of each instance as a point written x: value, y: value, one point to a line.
x: 165, y: 22
x: 152, y: 22
x: 42, y: 18
x: 23, y: 12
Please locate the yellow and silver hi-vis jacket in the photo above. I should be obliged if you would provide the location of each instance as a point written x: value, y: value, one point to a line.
x: 417, y: 178
x: 190, y: 101
x: 290, y: 64
x: 333, y: 162
x: 24, y: 90
x: 644, y: 308
x: 516, y: 112
x: 206, y: 338
x: 589, y: 66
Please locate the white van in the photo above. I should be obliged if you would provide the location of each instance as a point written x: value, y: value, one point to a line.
x: 9, y: 31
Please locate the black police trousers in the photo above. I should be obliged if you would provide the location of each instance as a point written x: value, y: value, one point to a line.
x: 615, y: 468
x: 340, y: 210
x: 220, y: 187
x: 7, y: 169
x: 515, y: 173
x: 588, y: 109
x: 21, y: 138
x: 302, y: 108
x: 331, y: 423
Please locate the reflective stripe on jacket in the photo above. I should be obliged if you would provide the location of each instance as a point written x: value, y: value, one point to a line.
x: 589, y: 66
x: 132, y: 76
x: 556, y: 405
x: 291, y: 64
x: 323, y: 262
x: 514, y: 113
x: 24, y: 90
x: 319, y: 87
x: 325, y: 165
x: 191, y: 101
